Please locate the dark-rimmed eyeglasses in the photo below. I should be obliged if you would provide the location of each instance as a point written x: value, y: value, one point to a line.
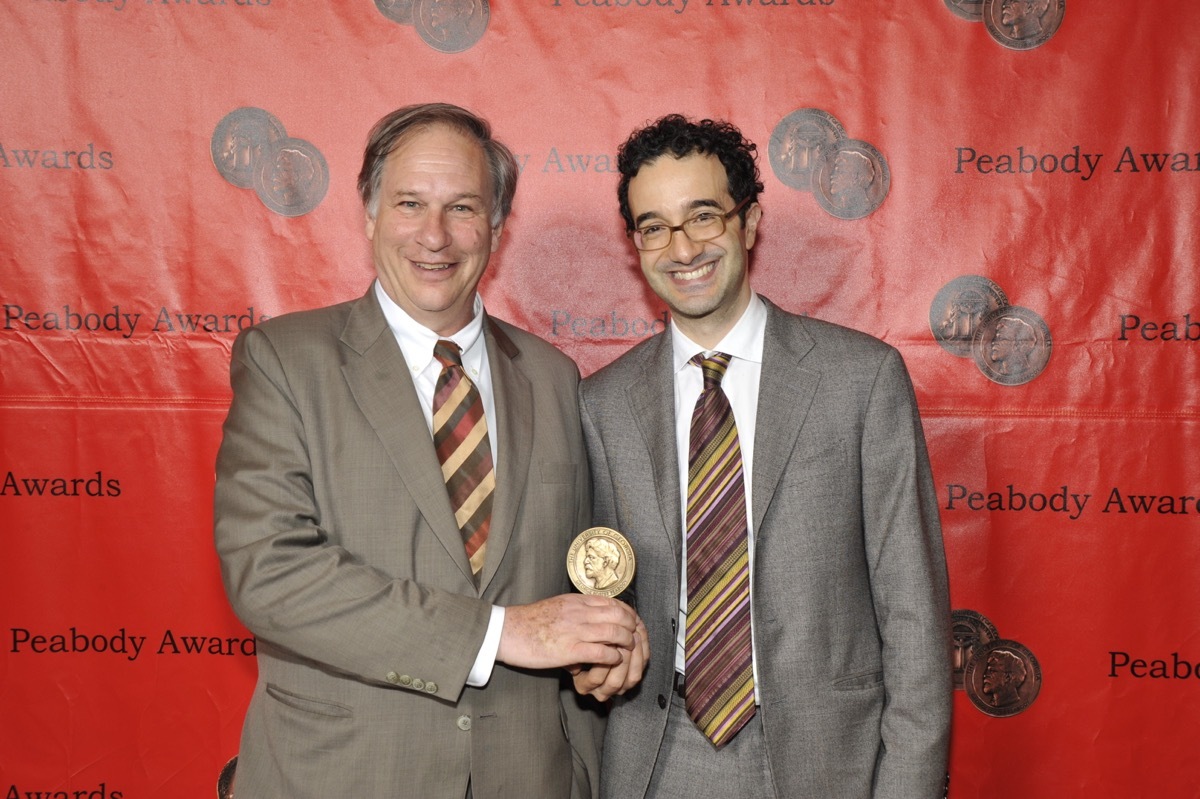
x: 700, y: 227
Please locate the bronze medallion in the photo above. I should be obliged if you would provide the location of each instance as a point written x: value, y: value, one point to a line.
x: 853, y: 179
x: 292, y: 177
x: 1002, y: 678
x: 600, y: 562
x: 970, y: 10
x: 451, y: 26
x: 1011, y: 345
x: 400, y: 11
x: 225, y: 779
x: 798, y: 145
x: 239, y: 140
x: 958, y: 309
x: 1022, y: 24
x: 969, y: 630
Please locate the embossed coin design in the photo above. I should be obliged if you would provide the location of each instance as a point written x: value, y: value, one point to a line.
x: 971, y: 10
x: 1022, y: 24
x: 959, y: 307
x: 1011, y: 345
x: 451, y: 26
x: 396, y: 10
x: 798, y: 143
x: 292, y: 177
x: 239, y: 140
x: 600, y: 562
x: 225, y: 779
x: 853, y: 179
x: 1002, y: 678
x: 969, y: 630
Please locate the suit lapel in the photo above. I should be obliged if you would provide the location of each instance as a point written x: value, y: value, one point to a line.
x: 785, y: 392
x: 652, y: 398
x: 513, y: 395
x: 379, y: 380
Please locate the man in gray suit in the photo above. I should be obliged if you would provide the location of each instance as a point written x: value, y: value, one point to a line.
x: 771, y: 474
x: 409, y: 601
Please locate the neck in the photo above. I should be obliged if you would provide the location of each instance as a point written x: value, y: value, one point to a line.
x: 708, y: 330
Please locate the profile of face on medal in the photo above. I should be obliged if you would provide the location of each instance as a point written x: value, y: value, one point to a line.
x: 601, y: 562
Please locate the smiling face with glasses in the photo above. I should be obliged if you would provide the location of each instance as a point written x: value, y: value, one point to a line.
x: 692, y: 243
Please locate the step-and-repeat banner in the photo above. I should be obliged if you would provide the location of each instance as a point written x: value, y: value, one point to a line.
x: 1006, y: 190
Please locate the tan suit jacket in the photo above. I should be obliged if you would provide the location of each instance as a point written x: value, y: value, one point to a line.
x: 849, y: 590
x: 340, y: 552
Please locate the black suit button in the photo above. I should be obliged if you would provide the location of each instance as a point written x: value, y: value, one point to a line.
x: 662, y: 701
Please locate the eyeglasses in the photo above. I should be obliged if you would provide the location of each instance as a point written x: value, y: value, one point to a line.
x: 701, y: 227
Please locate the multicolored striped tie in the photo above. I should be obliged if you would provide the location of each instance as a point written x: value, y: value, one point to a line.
x: 460, y: 437
x: 719, y: 684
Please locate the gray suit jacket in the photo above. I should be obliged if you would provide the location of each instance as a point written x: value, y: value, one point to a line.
x: 340, y: 552
x: 851, y: 614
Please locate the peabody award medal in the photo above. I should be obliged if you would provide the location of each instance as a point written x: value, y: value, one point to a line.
x: 600, y: 562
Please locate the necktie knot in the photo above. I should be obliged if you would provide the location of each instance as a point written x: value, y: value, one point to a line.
x: 713, y: 367
x: 447, y: 353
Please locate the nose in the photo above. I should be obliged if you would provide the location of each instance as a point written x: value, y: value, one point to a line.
x: 433, y: 235
x: 682, y: 250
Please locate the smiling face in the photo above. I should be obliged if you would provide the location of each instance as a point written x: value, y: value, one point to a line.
x: 431, y: 235
x: 705, y: 284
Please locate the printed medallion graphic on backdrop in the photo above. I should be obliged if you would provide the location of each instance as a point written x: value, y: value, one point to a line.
x: 238, y: 143
x: 449, y: 26
x: 971, y: 10
x: 226, y: 778
x: 251, y: 149
x: 810, y: 151
x: 1000, y: 676
x: 969, y: 630
x: 1016, y: 24
x: 970, y: 318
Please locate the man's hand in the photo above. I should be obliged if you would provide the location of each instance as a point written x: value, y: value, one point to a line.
x: 566, y: 630
x: 605, y: 682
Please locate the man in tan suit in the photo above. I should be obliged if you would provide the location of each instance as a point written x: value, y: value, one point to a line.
x: 411, y: 634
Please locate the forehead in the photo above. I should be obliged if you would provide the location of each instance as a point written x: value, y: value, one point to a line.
x: 433, y: 157
x: 669, y: 185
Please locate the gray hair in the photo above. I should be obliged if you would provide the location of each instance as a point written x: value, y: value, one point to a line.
x: 389, y: 132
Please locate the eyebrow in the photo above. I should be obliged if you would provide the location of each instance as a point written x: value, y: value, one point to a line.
x: 694, y: 205
x: 399, y: 193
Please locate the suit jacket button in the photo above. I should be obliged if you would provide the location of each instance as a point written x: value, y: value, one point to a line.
x: 464, y: 723
x: 418, y: 684
x: 405, y: 679
x: 393, y: 677
x: 662, y: 701
x: 431, y: 688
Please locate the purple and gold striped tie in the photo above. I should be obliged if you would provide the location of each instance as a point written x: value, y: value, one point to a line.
x: 460, y: 437
x: 719, y: 685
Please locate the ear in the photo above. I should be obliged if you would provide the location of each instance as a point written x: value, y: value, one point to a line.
x: 496, y: 231
x: 753, y: 215
x: 369, y: 224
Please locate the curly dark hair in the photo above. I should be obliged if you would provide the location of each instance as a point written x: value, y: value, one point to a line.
x: 679, y: 136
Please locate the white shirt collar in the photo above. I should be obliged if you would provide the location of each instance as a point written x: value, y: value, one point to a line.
x: 744, y: 340
x: 416, y: 341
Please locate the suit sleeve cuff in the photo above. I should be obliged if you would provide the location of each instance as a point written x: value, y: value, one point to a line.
x: 485, y: 661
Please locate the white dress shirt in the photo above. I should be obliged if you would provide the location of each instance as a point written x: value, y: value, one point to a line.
x: 745, y: 344
x: 416, y: 343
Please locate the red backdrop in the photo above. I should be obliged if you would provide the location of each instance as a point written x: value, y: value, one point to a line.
x: 1060, y: 170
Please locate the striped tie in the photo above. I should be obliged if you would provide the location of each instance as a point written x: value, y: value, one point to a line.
x: 460, y: 437
x: 719, y: 687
